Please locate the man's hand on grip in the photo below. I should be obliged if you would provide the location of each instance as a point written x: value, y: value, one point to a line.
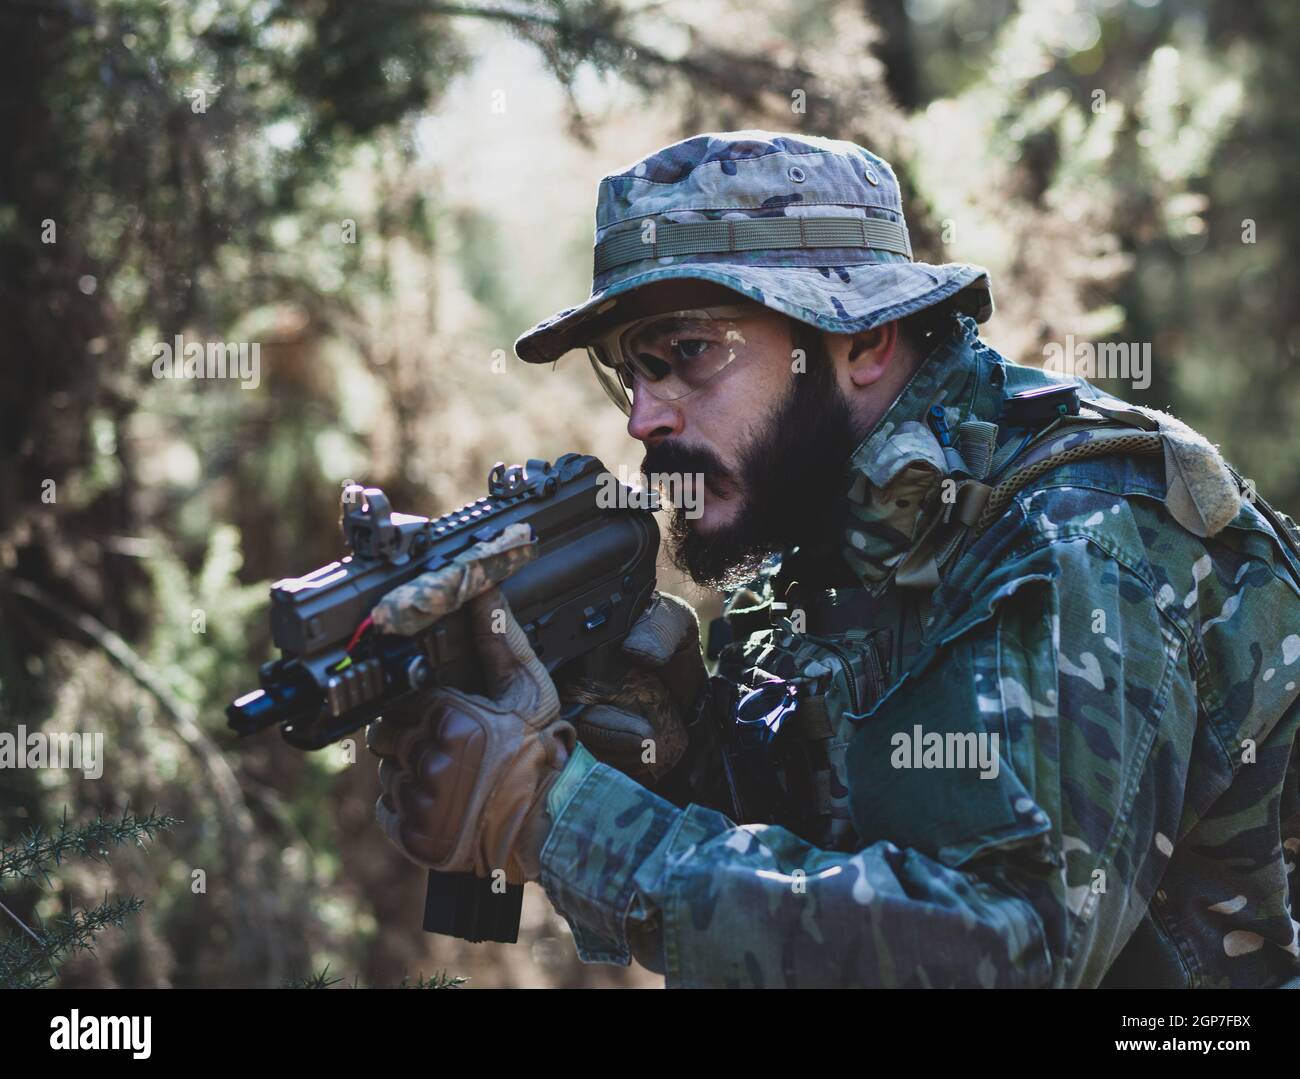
x: 464, y: 787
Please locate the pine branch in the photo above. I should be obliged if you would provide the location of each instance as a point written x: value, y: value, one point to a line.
x: 441, y: 980
x: 31, y: 961
x: 38, y: 851
x: 314, y: 981
x: 22, y: 961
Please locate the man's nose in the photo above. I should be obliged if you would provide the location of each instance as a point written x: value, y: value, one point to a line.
x: 652, y: 420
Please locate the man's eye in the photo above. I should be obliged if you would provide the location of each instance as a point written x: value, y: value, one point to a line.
x: 690, y: 348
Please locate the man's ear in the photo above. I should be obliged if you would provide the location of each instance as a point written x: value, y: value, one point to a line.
x: 872, y: 352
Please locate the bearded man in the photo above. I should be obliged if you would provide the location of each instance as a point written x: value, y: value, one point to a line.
x: 1011, y: 692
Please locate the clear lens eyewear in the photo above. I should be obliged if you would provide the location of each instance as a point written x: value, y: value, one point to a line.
x: 762, y: 712
x: 673, y: 354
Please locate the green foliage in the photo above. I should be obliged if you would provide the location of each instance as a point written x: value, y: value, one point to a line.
x: 322, y: 980
x: 39, y: 851
x: 205, y: 620
x: 363, y: 73
x: 30, y: 958
x: 205, y: 164
x: 1109, y: 166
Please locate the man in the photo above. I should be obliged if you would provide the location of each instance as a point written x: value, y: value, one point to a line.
x: 1024, y: 712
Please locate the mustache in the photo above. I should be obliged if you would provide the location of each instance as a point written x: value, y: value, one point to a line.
x: 675, y: 457
x: 793, y: 474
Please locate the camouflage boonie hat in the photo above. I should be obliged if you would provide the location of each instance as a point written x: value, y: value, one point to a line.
x: 808, y: 226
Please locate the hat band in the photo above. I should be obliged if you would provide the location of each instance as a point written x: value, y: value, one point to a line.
x: 667, y: 238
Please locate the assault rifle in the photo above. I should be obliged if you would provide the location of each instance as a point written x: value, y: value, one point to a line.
x: 592, y: 576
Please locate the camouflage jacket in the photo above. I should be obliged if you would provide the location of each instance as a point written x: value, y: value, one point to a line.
x: 1138, y: 683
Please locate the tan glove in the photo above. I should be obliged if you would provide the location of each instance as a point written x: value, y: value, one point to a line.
x: 640, y: 727
x: 464, y: 788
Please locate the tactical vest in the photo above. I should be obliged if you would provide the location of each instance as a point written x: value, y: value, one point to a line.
x: 843, y: 648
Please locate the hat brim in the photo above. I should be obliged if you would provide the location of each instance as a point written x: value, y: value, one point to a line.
x: 839, y: 299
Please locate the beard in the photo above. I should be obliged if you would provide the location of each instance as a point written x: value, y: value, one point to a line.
x: 792, y: 474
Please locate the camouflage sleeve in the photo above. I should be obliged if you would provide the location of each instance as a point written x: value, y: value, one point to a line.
x: 1037, y: 882
x: 711, y: 904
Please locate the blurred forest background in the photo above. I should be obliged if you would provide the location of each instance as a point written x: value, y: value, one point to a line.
x: 1127, y: 170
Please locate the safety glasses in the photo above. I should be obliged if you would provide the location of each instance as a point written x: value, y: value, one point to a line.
x: 672, y: 354
x: 762, y: 712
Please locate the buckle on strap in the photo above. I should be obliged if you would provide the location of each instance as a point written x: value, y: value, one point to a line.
x: 1039, y: 407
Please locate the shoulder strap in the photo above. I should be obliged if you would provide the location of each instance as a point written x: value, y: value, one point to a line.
x: 1118, y: 436
x: 977, y: 504
x: 1076, y: 444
